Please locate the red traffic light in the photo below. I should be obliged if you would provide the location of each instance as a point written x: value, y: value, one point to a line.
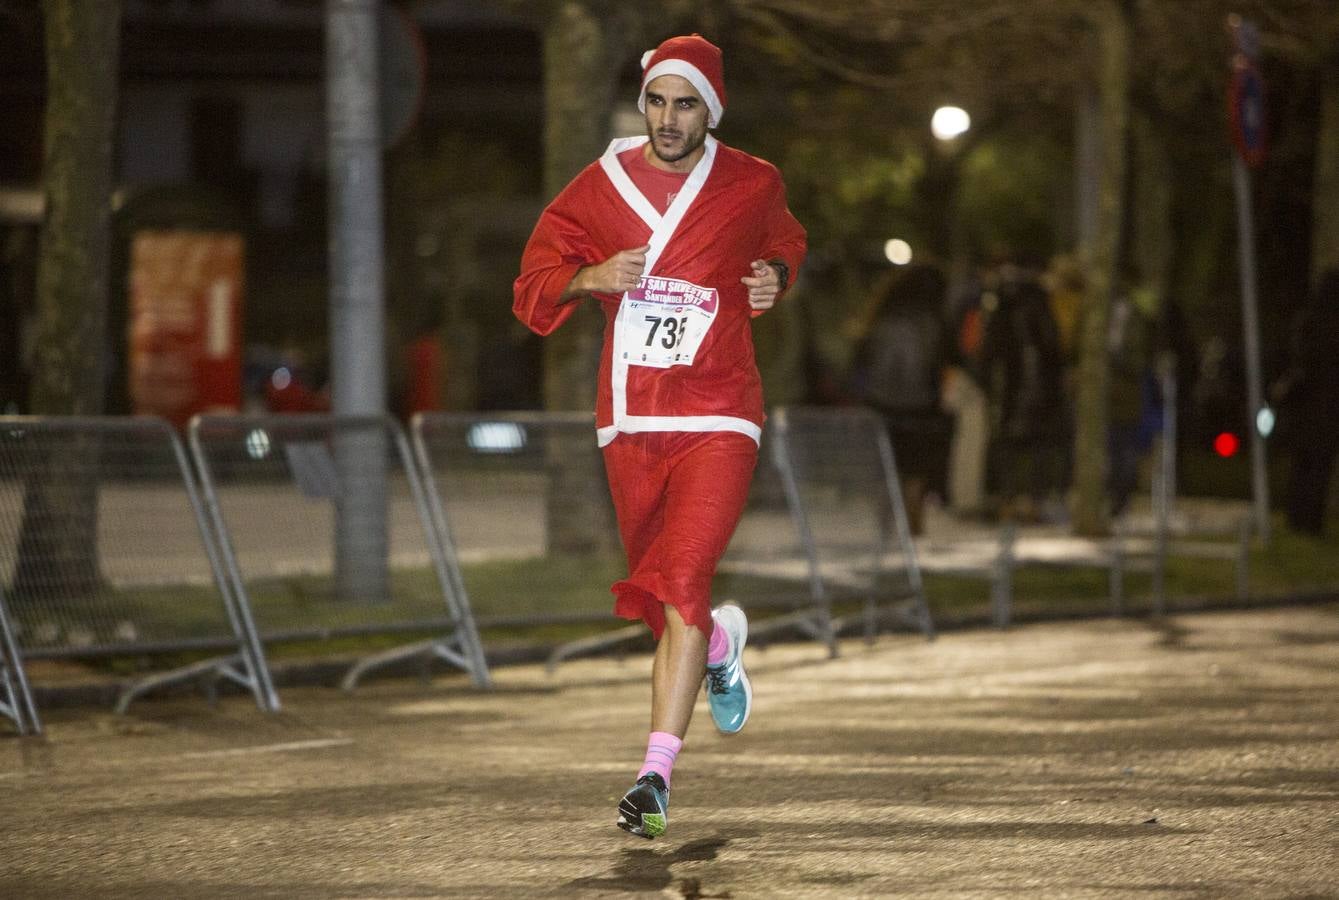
x: 1226, y: 444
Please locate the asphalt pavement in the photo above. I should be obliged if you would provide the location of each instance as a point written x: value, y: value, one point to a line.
x: 1192, y: 757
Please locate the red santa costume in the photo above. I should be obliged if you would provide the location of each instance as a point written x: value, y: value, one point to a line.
x: 679, y: 406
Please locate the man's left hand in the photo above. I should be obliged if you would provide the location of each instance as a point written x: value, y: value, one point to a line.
x: 764, y: 285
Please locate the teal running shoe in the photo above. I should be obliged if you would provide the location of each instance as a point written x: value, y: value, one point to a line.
x: 644, y: 810
x: 728, y: 690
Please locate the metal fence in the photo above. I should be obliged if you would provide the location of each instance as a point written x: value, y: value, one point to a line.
x: 841, y: 480
x: 315, y: 528
x: 326, y: 532
x: 530, y: 526
x: 1171, y: 532
x: 1138, y: 543
x: 525, y: 512
x: 767, y: 566
x: 16, y: 698
x: 529, y: 523
x: 104, y: 551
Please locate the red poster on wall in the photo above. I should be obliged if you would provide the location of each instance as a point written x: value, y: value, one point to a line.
x: 185, y: 325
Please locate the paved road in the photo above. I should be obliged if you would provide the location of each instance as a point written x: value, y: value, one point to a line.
x: 1095, y: 759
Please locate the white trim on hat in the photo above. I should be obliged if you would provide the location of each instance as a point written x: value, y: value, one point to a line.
x: 693, y: 74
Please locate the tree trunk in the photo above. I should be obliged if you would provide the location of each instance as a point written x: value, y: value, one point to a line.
x: 1325, y: 234
x: 1153, y: 241
x: 1111, y: 19
x: 582, y: 53
x: 58, y: 539
x: 584, y: 45
x: 82, y: 56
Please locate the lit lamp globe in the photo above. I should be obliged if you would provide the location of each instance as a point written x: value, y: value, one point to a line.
x: 897, y: 251
x: 949, y: 122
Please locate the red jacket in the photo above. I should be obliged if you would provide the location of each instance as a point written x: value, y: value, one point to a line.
x: 678, y: 352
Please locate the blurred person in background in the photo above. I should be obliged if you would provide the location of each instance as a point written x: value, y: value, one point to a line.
x: 424, y: 367
x: 1065, y: 288
x: 296, y: 385
x: 1022, y: 368
x: 965, y: 397
x: 1308, y: 402
x: 1134, y: 405
x: 898, y: 368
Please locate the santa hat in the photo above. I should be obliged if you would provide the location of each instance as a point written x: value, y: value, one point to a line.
x: 694, y: 58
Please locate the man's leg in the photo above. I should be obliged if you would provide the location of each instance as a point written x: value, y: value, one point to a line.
x: 680, y: 664
x: 700, y: 502
x: 676, y: 677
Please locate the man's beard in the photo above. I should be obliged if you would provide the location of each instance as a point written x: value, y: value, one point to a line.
x: 690, y: 143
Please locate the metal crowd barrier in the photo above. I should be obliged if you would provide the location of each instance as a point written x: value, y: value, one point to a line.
x: 326, y: 532
x: 16, y: 702
x: 1135, y: 544
x: 105, y: 552
x: 525, y: 510
x: 997, y: 554
x: 1171, y: 533
x: 307, y: 528
x: 837, y: 469
x: 526, y: 519
x: 767, y: 567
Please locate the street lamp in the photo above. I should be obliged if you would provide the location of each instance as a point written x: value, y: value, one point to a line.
x: 949, y: 122
x: 897, y: 251
x: 942, y: 177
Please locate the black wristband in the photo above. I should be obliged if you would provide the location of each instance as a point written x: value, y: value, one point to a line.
x: 782, y: 273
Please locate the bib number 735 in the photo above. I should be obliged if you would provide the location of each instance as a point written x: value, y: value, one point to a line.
x: 672, y: 330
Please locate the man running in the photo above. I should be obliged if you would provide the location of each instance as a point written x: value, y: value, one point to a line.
x: 682, y: 240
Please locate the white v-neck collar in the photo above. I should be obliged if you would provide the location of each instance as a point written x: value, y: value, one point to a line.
x: 662, y: 227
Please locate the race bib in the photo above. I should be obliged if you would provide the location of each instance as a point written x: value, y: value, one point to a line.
x: 665, y: 320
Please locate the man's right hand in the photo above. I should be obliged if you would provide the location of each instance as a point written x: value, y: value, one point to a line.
x: 620, y: 272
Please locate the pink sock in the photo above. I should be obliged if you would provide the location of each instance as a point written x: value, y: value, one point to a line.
x: 660, y: 754
x: 718, y: 648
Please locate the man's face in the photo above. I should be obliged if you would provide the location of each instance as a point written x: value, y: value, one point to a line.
x: 676, y: 122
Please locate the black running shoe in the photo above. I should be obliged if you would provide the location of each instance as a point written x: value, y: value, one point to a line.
x: 644, y: 810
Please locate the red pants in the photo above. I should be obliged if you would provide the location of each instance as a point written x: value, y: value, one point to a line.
x: 678, y: 496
